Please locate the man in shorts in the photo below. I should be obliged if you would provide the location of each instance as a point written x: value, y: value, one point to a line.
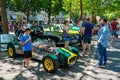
x: 27, y: 47
x: 87, y: 30
x: 113, y: 28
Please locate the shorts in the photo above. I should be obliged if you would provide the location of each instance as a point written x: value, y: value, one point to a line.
x: 28, y: 54
x: 113, y: 32
x: 87, y: 39
x: 67, y: 39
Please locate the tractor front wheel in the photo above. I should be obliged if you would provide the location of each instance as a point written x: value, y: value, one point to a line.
x: 49, y: 64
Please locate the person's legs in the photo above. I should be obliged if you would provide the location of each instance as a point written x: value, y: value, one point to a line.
x: 67, y: 41
x: 89, y: 45
x: 100, y: 50
x: 66, y: 44
x: 82, y: 41
x: 27, y: 63
x: 105, y: 57
x: 89, y: 48
x: 79, y: 39
x: 84, y: 44
x: 114, y: 34
x: 28, y: 55
x: 84, y: 48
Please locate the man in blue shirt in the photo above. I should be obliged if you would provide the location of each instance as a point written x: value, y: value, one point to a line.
x: 27, y: 47
x: 87, y: 30
x: 103, y: 35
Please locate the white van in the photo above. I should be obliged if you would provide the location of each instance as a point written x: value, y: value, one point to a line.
x: 39, y: 19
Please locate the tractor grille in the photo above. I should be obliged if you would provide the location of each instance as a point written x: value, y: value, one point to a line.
x: 72, y: 59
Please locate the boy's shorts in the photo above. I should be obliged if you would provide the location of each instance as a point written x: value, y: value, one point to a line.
x: 27, y: 54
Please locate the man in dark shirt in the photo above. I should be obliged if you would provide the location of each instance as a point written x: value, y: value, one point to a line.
x: 87, y: 30
x: 113, y: 28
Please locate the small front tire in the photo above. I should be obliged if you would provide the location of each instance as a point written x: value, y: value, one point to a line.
x: 49, y: 64
x: 11, y: 51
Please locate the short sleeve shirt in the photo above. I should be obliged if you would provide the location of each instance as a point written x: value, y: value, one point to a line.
x: 28, y: 45
x: 88, y: 28
x: 114, y: 25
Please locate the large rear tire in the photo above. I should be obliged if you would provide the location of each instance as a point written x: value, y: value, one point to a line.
x: 49, y: 64
x: 11, y: 51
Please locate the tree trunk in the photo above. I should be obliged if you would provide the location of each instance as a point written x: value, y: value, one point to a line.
x: 49, y: 11
x: 81, y: 11
x: 49, y: 18
x: 4, y: 17
x: 28, y: 11
x: 93, y: 17
x: 28, y: 15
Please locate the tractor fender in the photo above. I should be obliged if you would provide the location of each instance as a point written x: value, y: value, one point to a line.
x: 11, y: 44
x: 74, y: 48
x: 52, y: 56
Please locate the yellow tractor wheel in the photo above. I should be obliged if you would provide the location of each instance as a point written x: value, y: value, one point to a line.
x: 11, y: 51
x: 49, y: 64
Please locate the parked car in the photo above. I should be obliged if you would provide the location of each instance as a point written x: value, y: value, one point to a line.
x: 46, y: 27
x: 51, y: 57
x: 74, y: 29
x: 53, y: 35
x: 4, y: 40
x: 57, y: 27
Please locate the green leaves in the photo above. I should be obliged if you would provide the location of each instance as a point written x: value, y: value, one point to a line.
x: 108, y: 8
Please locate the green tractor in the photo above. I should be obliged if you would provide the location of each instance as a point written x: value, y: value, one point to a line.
x: 51, y: 57
x: 60, y: 57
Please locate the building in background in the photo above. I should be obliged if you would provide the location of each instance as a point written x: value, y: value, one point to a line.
x: 41, y: 18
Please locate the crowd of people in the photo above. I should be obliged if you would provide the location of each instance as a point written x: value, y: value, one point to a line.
x: 86, y: 29
x: 107, y: 30
x: 19, y: 27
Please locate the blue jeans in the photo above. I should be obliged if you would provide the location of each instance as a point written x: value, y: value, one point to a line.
x: 102, y: 55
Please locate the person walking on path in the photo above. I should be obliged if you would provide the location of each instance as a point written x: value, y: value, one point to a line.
x: 103, y: 35
x: 87, y: 30
x: 27, y: 47
x: 114, y: 28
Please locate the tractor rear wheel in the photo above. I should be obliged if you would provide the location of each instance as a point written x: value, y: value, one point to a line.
x: 11, y: 51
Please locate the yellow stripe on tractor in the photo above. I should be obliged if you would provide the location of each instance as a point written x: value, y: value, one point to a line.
x: 73, y: 55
